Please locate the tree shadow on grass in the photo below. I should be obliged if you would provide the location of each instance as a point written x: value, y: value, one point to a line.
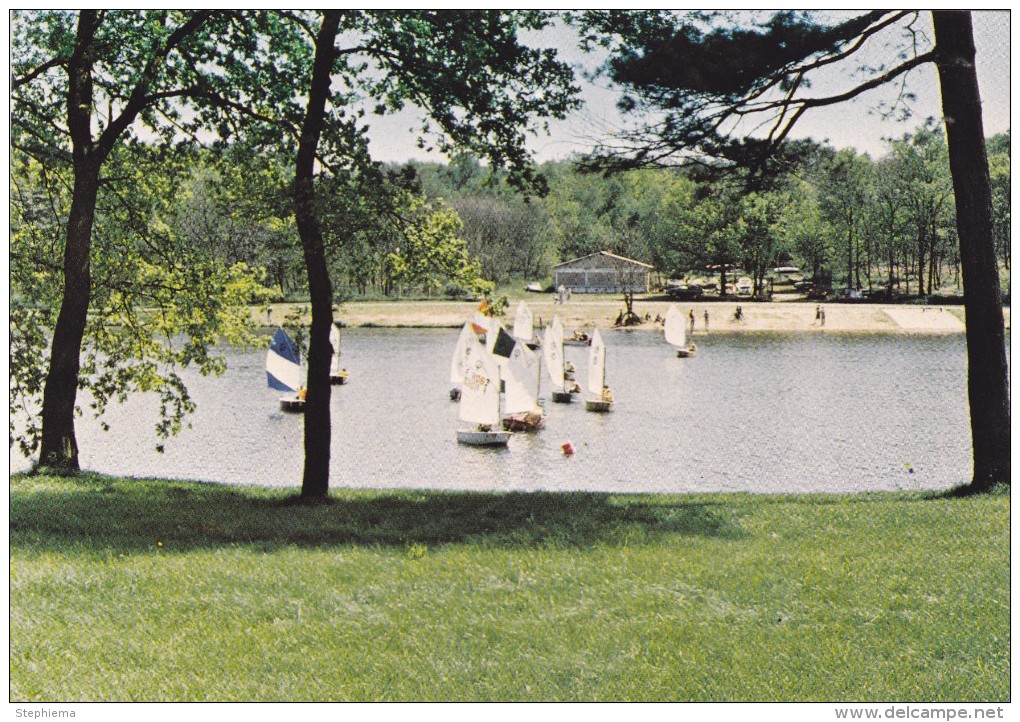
x: 134, y: 515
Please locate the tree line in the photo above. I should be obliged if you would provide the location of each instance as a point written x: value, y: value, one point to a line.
x: 885, y: 225
x: 432, y: 230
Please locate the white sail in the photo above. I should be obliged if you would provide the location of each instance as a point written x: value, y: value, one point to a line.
x: 522, y: 378
x: 467, y: 344
x: 552, y: 350
x: 491, y: 336
x: 676, y: 327
x: 558, y: 326
x: 596, y: 364
x: 479, y: 397
x: 524, y: 323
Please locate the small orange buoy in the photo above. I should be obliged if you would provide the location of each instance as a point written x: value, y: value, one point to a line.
x: 568, y: 448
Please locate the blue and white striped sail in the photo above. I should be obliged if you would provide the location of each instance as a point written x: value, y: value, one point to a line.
x: 283, y: 363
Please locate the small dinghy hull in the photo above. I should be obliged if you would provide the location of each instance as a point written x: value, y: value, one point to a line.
x: 483, y: 438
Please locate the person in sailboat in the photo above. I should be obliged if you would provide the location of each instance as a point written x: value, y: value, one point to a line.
x: 607, y: 395
x: 302, y: 393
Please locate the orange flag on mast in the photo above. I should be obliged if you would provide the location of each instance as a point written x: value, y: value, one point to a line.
x: 480, y: 321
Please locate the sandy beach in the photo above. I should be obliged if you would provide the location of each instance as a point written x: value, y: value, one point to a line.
x: 581, y: 312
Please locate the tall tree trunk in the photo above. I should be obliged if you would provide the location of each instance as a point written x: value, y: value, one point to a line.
x: 922, y: 247
x: 315, y: 483
x: 987, y: 372
x: 892, y: 259
x: 867, y: 258
x: 59, y: 448
x: 850, y: 257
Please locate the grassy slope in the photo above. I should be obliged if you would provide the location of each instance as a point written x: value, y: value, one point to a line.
x: 139, y: 590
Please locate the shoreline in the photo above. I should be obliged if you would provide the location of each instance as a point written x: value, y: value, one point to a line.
x: 579, y: 313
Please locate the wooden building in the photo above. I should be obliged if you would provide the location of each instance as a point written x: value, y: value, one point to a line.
x: 602, y: 272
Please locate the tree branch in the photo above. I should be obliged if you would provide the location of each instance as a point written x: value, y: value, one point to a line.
x: 137, y: 100
x: 32, y: 75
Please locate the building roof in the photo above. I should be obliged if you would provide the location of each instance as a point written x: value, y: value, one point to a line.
x: 604, y: 253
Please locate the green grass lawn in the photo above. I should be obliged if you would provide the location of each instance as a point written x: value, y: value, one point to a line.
x: 154, y: 590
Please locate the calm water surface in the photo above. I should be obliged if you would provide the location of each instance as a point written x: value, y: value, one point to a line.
x: 756, y: 412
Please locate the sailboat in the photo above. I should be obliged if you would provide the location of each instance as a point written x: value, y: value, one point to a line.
x: 467, y: 347
x: 676, y: 333
x: 480, y: 404
x: 521, y: 370
x: 552, y: 351
x: 599, y: 398
x: 578, y: 338
x: 524, y: 326
x: 283, y: 371
x: 337, y: 375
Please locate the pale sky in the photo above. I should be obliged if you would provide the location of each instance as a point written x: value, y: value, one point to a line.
x: 854, y: 124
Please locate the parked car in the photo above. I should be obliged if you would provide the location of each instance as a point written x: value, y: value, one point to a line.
x: 817, y: 293
x: 685, y: 292
x: 744, y: 287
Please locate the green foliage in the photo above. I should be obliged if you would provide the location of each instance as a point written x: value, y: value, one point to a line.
x: 998, y: 166
x: 295, y: 325
x: 432, y: 253
x: 162, y: 301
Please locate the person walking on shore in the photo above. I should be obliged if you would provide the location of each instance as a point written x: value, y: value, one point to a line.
x: 706, y: 320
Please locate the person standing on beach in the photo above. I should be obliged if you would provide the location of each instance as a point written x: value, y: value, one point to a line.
x: 690, y: 320
x: 706, y: 320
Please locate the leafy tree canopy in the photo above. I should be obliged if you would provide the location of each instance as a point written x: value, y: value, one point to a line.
x: 731, y: 86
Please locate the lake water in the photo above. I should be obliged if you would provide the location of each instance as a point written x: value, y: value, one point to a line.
x: 750, y: 412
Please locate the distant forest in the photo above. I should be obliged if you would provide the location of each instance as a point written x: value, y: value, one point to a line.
x: 884, y: 225
x: 845, y: 219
